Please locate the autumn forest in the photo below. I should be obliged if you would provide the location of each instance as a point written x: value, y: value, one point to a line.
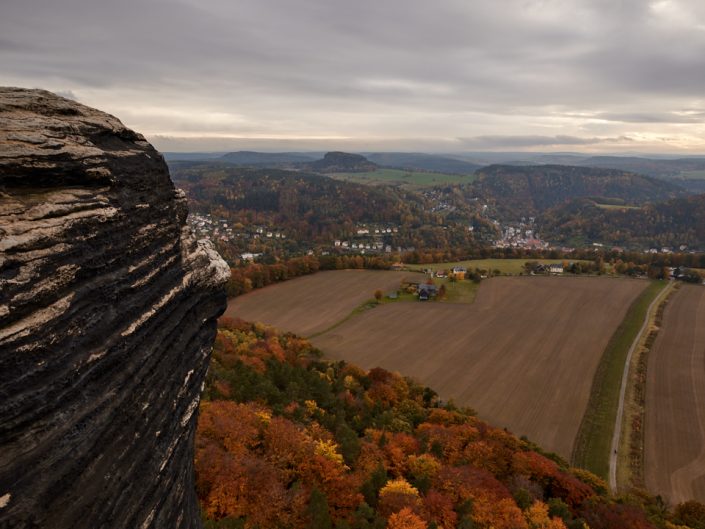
x: 287, y: 439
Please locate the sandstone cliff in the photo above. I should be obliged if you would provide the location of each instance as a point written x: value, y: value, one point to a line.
x: 107, y: 316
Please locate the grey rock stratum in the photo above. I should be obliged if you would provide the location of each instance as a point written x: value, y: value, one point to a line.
x: 108, y: 311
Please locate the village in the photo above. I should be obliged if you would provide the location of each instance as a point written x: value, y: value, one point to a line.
x: 221, y: 230
x: 253, y: 241
x: 520, y: 235
x: 371, y: 238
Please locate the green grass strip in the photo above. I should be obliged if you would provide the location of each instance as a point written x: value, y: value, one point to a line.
x: 592, y: 444
x: 363, y: 307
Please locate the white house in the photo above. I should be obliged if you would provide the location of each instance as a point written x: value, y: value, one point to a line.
x: 555, y: 269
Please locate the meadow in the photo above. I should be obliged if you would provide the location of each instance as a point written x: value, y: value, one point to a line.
x: 504, y: 266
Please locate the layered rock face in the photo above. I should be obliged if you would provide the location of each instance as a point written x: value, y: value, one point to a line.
x: 107, y: 317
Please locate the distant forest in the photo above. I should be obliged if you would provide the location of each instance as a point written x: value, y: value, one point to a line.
x: 315, y: 210
x: 572, y: 205
x: 672, y: 223
x: 519, y: 192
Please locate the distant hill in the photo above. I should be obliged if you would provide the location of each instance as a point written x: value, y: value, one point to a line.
x: 342, y: 162
x: 311, y: 203
x: 648, y: 166
x: 423, y: 162
x: 191, y: 156
x: 670, y: 223
x: 265, y: 158
x: 313, y: 209
x: 689, y: 173
x: 518, y: 191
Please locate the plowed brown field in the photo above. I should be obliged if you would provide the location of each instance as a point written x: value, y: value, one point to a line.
x: 674, y: 460
x: 310, y: 304
x: 523, y: 355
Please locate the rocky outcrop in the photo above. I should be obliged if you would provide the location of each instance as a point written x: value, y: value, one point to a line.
x: 342, y: 162
x: 107, y: 317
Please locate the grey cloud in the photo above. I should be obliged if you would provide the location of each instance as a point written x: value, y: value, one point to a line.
x: 328, y: 67
x: 486, y: 142
x: 666, y: 117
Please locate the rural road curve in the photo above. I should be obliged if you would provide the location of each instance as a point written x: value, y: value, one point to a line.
x: 623, y: 389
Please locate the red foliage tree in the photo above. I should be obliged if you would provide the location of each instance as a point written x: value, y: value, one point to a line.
x: 439, y: 509
x: 614, y: 516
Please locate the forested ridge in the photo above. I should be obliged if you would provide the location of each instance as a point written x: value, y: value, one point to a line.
x: 288, y: 440
x: 573, y: 206
x: 314, y: 210
x: 313, y: 204
x: 676, y: 222
x: 518, y: 191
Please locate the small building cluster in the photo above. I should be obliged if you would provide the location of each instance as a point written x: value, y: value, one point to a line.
x: 535, y: 268
x: 370, y: 239
x: 421, y: 288
x: 457, y: 273
x: 521, y: 235
x: 205, y: 226
x: 683, y: 273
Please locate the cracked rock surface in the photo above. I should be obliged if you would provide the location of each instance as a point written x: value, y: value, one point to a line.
x: 108, y: 308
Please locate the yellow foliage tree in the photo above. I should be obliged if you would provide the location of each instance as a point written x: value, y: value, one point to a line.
x: 329, y: 450
x: 423, y: 466
x: 397, y: 495
x: 399, y: 486
x: 537, y: 517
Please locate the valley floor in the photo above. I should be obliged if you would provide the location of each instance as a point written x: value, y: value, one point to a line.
x: 523, y: 354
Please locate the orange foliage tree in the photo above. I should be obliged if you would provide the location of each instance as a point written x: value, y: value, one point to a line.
x: 405, y: 519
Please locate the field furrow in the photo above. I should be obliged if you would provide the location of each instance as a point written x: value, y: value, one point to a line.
x: 675, y: 401
x: 310, y: 304
x: 523, y: 354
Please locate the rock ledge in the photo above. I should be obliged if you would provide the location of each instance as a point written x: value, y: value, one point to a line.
x: 108, y: 309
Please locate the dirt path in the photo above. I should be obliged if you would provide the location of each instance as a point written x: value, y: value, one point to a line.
x: 625, y: 382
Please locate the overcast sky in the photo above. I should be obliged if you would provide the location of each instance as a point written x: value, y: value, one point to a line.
x: 413, y: 75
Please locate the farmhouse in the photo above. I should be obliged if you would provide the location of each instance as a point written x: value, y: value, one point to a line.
x: 427, y: 291
x: 555, y: 269
x: 540, y: 269
x: 458, y: 272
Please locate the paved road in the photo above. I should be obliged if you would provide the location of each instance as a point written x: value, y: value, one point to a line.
x: 625, y: 380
